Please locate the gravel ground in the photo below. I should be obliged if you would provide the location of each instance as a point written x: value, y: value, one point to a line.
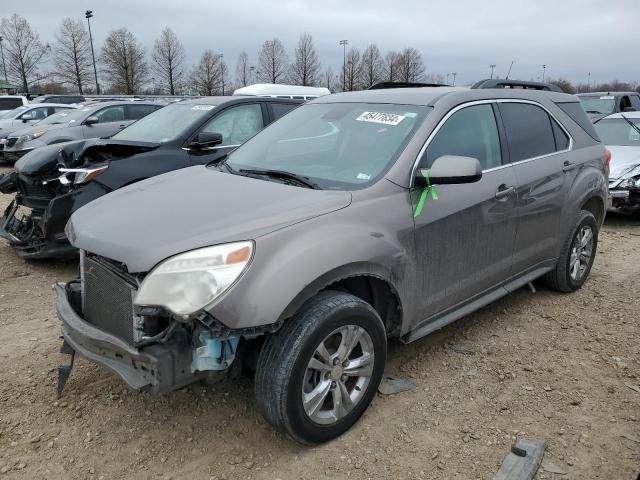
x: 565, y: 368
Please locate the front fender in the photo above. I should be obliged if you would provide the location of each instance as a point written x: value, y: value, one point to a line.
x: 293, y: 264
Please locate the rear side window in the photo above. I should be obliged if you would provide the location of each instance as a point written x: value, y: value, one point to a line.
x: 10, y: 103
x: 136, y: 112
x: 562, y: 140
x: 529, y: 131
x: 578, y: 115
x: 470, y: 132
x: 280, y: 109
x: 635, y: 101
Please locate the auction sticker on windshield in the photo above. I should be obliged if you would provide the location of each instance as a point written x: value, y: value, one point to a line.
x: 202, y: 107
x: 379, y: 117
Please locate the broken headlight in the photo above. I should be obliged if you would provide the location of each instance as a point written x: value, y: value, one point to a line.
x: 630, y: 183
x: 190, y: 281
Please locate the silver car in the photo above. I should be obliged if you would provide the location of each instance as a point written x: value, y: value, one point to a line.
x: 355, y: 218
x: 621, y: 135
x: 24, y: 117
x: 91, y: 121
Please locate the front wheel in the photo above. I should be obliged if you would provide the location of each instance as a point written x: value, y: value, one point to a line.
x: 317, y: 375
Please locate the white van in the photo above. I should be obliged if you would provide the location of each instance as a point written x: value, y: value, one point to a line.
x: 282, y: 91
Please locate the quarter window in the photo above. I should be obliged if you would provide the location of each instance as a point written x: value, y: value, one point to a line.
x: 237, y: 124
x: 470, y: 132
x: 529, y: 131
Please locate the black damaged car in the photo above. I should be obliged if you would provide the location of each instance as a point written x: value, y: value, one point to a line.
x: 52, y: 182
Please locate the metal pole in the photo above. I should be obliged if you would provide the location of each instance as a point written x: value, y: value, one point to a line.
x: 344, y: 63
x: 544, y: 68
x: 447, y: 81
x: 88, y: 14
x: 492, y: 66
x: 4, y: 67
x: 220, y: 57
x: 589, y: 82
x: 454, y: 79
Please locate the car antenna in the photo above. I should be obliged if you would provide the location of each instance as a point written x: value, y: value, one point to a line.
x: 509, y: 72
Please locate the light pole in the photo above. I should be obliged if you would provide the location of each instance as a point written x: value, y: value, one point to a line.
x: 544, y: 68
x: 454, y: 79
x: 4, y: 67
x: 220, y: 57
x: 492, y: 66
x: 447, y: 81
x: 344, y: 44
x: 588, y: 81
x: 88, y: 14
x: 252, y: 70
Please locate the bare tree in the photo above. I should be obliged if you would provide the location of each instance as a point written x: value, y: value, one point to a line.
x: 371, y: 66
x: 168, y: 61
x: 23, y: 50
x: 329, y: 79
x: 272, y: 62
x: 565, y: 85
x: 434, y: 78
x: 72, y: 54
x: 410, y: 66
x: 391, y: 66
x: 207, y: 75
x: 352, y: 71
x: 124, y: 62
x: 244, y: 71
x: 305, y: 69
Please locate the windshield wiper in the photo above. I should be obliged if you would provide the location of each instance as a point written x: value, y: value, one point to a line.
x: 595, y: 111
x: 633, y: 125
x: 282, y: 175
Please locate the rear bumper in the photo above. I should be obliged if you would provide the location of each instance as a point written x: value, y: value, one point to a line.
x: 159, y: 368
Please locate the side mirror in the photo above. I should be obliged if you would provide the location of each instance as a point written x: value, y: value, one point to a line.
x: 206, y: 139
x: 92, y: 120
x: 27, y: 117
x: 451, y: 169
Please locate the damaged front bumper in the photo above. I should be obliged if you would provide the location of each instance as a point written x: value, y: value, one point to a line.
x: 624, y: 201
x: 159, y: 368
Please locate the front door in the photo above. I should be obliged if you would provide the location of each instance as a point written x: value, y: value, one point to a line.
x: 465, y: 237
x: 236, y: 124
x: 110, y: 121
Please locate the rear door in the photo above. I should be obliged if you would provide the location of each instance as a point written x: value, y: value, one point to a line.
x: 537, y: 143
x: 465, y: 237
x: 111, y: 119
x: 236, y: 123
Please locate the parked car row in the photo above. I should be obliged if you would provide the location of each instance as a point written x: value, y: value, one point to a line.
x: 210, y: 245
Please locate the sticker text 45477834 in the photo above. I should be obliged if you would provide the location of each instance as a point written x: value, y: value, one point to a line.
x: 380, y: 117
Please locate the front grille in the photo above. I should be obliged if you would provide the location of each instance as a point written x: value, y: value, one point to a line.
x: 11, y: 141
x: 108, y: 299
x: 36, y: 190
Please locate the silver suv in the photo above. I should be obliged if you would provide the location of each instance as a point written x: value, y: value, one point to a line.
x: 355, y: 218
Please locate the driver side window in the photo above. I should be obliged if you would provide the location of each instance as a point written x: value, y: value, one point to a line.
x: 237, y: 124
x: 470, y: 132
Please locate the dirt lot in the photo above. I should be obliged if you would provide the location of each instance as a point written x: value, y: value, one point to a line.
x: 562, y: 368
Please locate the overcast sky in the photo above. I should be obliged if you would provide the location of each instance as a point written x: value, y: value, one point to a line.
x: 572, y: 37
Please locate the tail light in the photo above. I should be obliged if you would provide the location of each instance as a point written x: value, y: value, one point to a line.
x: 606, y: 160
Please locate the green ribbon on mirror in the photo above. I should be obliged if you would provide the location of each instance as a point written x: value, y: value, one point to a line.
x: 425, y: 193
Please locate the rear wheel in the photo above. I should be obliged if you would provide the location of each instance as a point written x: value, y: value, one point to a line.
x: 317, y: 375
x: 577, y: 255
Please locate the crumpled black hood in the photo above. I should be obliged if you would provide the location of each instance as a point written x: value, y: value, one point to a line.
x: 44, y: 160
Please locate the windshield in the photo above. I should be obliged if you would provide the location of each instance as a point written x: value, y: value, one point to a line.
x: 337, y: 146
x: 69, y: 115
x: 605, y: 104
x: 12, y: 113
x: 617, y: 132
x: 165, y: 124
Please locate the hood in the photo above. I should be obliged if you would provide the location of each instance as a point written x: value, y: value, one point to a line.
x: 149, y: 221
x: 8, y: 128
x: 7, y: 123
x: 32, y: 129
x: 45, y: 160
x: 622, y: 158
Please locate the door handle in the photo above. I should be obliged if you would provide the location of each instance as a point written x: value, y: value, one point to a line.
x: 568, y: 166
x: 504, y: 191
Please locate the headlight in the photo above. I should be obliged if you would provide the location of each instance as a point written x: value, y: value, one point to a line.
x: 190, y: 281
x: 29, y: 137
x: 629, y: 183
x: 82, y: 175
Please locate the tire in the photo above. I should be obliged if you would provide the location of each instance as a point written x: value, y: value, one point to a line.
x: 561, y: 277
x: 284, y: 368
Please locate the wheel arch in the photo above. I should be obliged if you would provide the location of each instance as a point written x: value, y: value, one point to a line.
x: 368, y: 282
x: 595, y: 205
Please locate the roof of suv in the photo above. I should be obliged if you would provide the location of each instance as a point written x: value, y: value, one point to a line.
x: 219, y: 100
x: 597, y: 94
x: 428, y: 96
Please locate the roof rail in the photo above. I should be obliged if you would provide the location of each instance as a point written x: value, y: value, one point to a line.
x: 502, y: 83
x: 381, y: 85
